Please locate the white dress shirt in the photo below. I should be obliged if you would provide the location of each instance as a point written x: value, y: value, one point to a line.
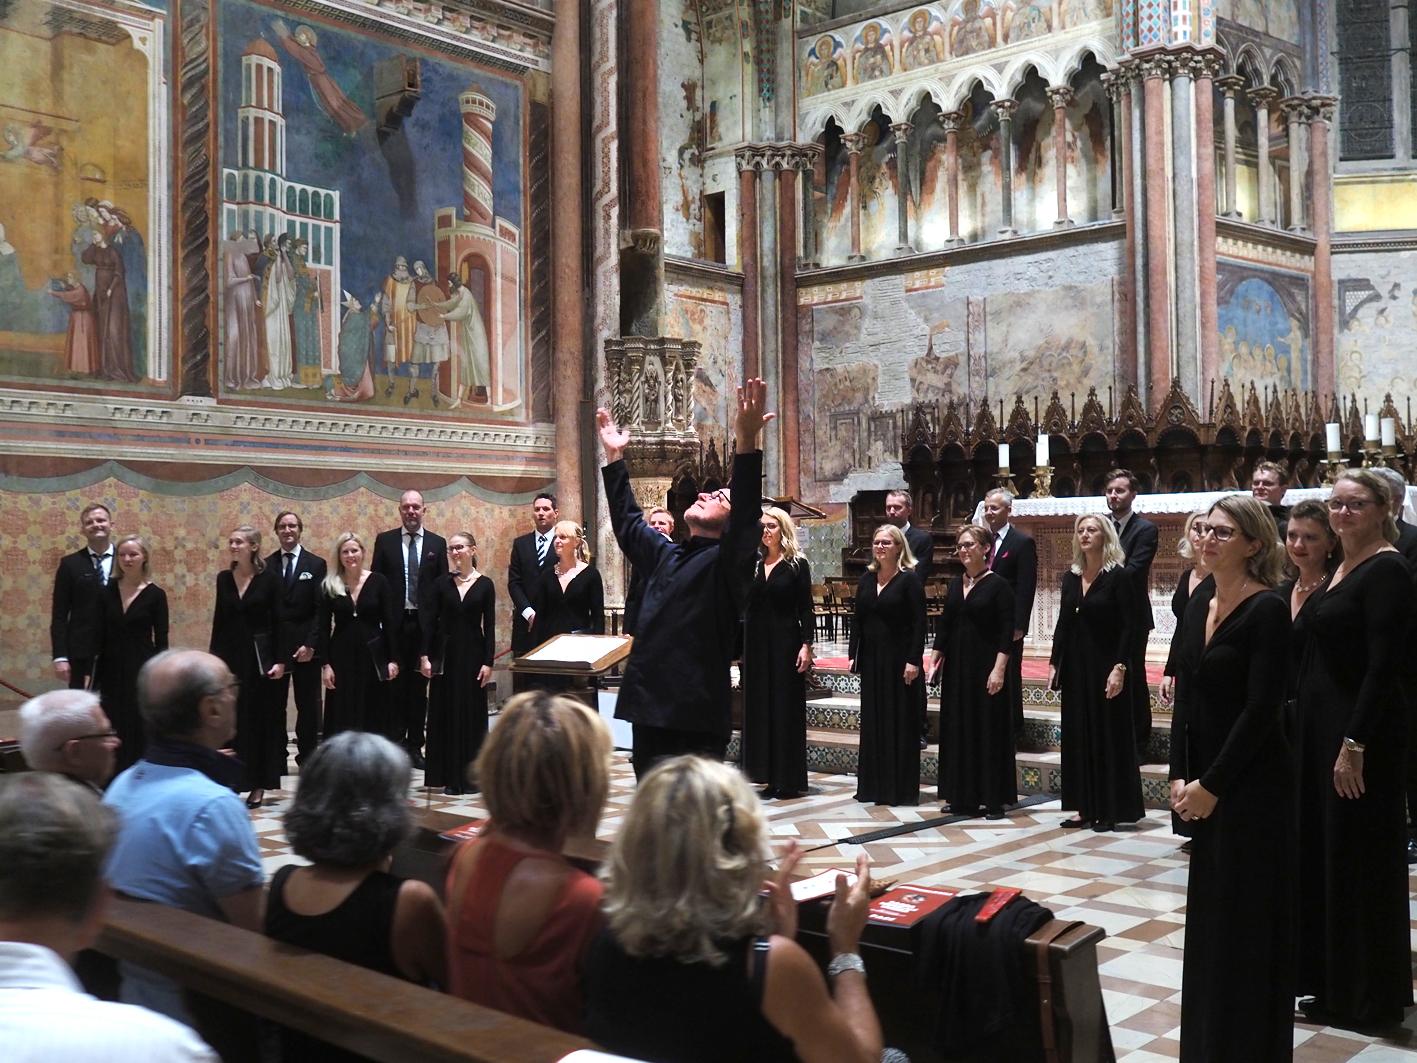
x: 103, y: 563
x: 529, y: 612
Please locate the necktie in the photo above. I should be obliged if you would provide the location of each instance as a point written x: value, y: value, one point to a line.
x: 541, y: 544
x: 995, y: 555
x: 289, y: 566
x: 410, y: 572
x: 98, y: 560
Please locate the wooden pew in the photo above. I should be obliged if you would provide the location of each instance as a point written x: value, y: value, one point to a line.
x: 373, y: 1014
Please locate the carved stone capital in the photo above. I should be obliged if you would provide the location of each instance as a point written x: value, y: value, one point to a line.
x: 1206, y: 63
x: 1005, y: 109
x: 1060, y: 96
x: 854, y: 143
x: 1321, y: 107
x: 1294, y: 108
x: 776, y: 155
x: 951, y: 121
x: 902, y: 131
x: 1230, y: 84
x: 1154, y: 66
x: 1262, y: 96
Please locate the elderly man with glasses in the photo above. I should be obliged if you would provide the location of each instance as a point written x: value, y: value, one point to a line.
x: 67, y: 733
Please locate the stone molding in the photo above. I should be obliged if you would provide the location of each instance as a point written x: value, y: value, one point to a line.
x: 776, y: 155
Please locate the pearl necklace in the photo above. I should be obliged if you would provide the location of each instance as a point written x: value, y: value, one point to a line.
x: 1308, y: 588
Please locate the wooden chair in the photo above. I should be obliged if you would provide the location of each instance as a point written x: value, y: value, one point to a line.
x: 825, y: 622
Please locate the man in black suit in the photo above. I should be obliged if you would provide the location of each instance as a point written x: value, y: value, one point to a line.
x: 662, y: 521
x: 1406, y: 533
x: 1269, y: 483
x: 76, y: 609
x: 1139, y: 538
x: 1407, y: 546
x: 410, y: 557
x: 532, y: 553
x: 297, y: 630
x: 922, y: 545
x: 1015, y: 557
x: 676, y: 687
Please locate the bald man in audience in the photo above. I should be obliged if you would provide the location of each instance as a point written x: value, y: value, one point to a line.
x: 67, y: 732
x: 54, y: 839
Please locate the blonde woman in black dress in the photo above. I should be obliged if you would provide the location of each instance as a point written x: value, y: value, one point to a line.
x: 134, y: 629
x: 361, y: 654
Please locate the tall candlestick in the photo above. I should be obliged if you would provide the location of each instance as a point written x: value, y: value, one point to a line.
x: 1041, y: 454
x: 1389, y: 431
x: 1370, y: 428
x: 1332, y: 438
x: 1003, y: 457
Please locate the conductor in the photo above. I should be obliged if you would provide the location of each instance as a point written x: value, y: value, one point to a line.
x: 676, y: 687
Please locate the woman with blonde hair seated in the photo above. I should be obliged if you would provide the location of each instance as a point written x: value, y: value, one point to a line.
x: 520, y: 915
x: 692, y: 965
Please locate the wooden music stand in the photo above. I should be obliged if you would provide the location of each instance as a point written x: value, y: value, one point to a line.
x: 577, y: 658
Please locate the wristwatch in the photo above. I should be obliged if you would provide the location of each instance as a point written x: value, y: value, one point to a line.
x: 1123, y: 667
x: 1353, y: 745
x: 846, y: 961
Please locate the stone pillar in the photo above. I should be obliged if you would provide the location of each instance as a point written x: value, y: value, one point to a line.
x: 854, y: 143
x: 748, y: 258
x: 1154, y: 69
x: 1186, y: 363
x: 1111, y: 86
x: 1005, y: 110
x: 1137, y: 216
x: 1060, y: 98
x: 1205, y: 66
x: 1118, y: 85
x: 1296, y: 117
x: 1321, y: 121
x: 808, y: 165
x: 1262, y: 97
x: 1230, y: 85
x: 902, y: 181
x: 789, y: 482
x: 568, y: 296
x: 644, y: 198
x: 950, y: 122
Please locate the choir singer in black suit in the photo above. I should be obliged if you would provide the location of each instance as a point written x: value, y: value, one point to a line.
x: 676, y: 686
x: 1139, y: 538
x: 532, y: 555
x: 410, y: 557
x: 76, y: 620
x: 1015, y: 557
x: 899, y: 509
x: 662, y: 521
x: 298, y: 628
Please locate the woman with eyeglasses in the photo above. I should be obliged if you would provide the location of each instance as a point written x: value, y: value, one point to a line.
x: 1091, y: 645
x: 1313, y: 551
x: 1231, y: 770
x: 972, y: 644
x: 134, y: 629
x: 1355, y: 956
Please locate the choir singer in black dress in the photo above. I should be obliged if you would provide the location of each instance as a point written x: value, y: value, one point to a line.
x: 1092, y: 645
x: 134, y: 629
x: 569, y: 597
x: 361, y: 653
x: 777, y: 655
x: 244, y: 625
x: 1231, y: 772
x: 1355, y: 953
x: 1189, y: 549
x: 459, y: 620
x: 972, y: 644
x: 1313, y: 553
x: 886, y: 643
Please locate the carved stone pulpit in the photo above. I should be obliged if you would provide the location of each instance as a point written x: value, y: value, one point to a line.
x: 651, y: 393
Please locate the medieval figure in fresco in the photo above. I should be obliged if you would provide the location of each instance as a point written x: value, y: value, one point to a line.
x: 81, y: 355
x: 468, y: 337
x: 826, y: 70
x: 306, y: 314
x: 120, y: 233
x: 85, y: 225
x: 1081, y: 12
x: 241, y: 353
x: 110, y: 301
x: 27, y: 144
x: 355, y: 382
x: 301, y: 46
x: 430, y: 331
x: 399, y: 322
x: 872, y: 56
x: 277, y: 306
x: 973, y: 32
x: 1030, y: 21
x: 923, y: 42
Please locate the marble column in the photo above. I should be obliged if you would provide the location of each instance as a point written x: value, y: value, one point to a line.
x: 748, y: 258
x: 1118, y: 84
x: 950, y: 122
x: 1204, y: 66
x: 1111, y: 85
x: 1060, y: 98
x: 1229, y: 86
x: 808, y: 165
x: 1262, y: 97
x: 1154, y: 70
x: 854, y: 143
x: 1296, y: 117
x: 789, y: 481
x: 1321, y: 121
x: 1186, y: 363
x: 644, y: 198
x: 568, y: 296
x: 1005, y: 109
x: 902, y: 183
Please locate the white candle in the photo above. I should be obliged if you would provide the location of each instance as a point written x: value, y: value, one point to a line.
x: 1041, y: 455
x: 1003, y: 457
x: 1332, y: 438
x: 1370, y: 428
x: 1389, y: 426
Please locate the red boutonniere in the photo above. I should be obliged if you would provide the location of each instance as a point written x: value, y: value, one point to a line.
x: 1003, y: 555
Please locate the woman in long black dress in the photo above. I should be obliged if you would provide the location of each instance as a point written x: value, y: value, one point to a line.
x: 1190, y: 550
x: 777, y: 654
x: 1355, y: 954
x: 361, y: 653
x: 569, y: 597
x: 886, y: 643
x: 459, y: 625
x: 1230, y: 771
x: 1313, y: 552
x: 972, y: 642
x: 1091, y: 644
x: 243, y: 635
x: 134, y: 629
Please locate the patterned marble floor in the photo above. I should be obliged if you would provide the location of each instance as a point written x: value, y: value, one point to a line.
x: 1131, y: 883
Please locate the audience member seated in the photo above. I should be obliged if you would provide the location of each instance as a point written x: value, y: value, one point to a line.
x: 692, y: 966
x: 184, y: 837
x: 349, y: 813
x: 66, y: 732
x: 521, y: 917
x: 54, y: 838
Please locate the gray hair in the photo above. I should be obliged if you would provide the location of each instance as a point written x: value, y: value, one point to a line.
x: 1397, y: 485
x: 50, y: 720
x: 171, y: 686
x: 1001, y: 492
x: 55, y: 836
x: 352, y: 805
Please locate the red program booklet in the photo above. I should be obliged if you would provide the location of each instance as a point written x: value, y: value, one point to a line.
x: 907, y: 905
x: 466, y: 832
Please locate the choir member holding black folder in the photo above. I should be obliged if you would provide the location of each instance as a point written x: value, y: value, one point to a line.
x: 244, y: 624
x: 134, y: 629
x: 361, y: 654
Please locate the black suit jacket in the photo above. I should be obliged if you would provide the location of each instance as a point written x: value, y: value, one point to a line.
x: 1139, y: 539
x: 523, y: 580
x: 76, y: 618
x: 1017, y: 561
x: 389, y: 561
x: 1407, y: 543
x: 922, y: 545
x: 298, y: 616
